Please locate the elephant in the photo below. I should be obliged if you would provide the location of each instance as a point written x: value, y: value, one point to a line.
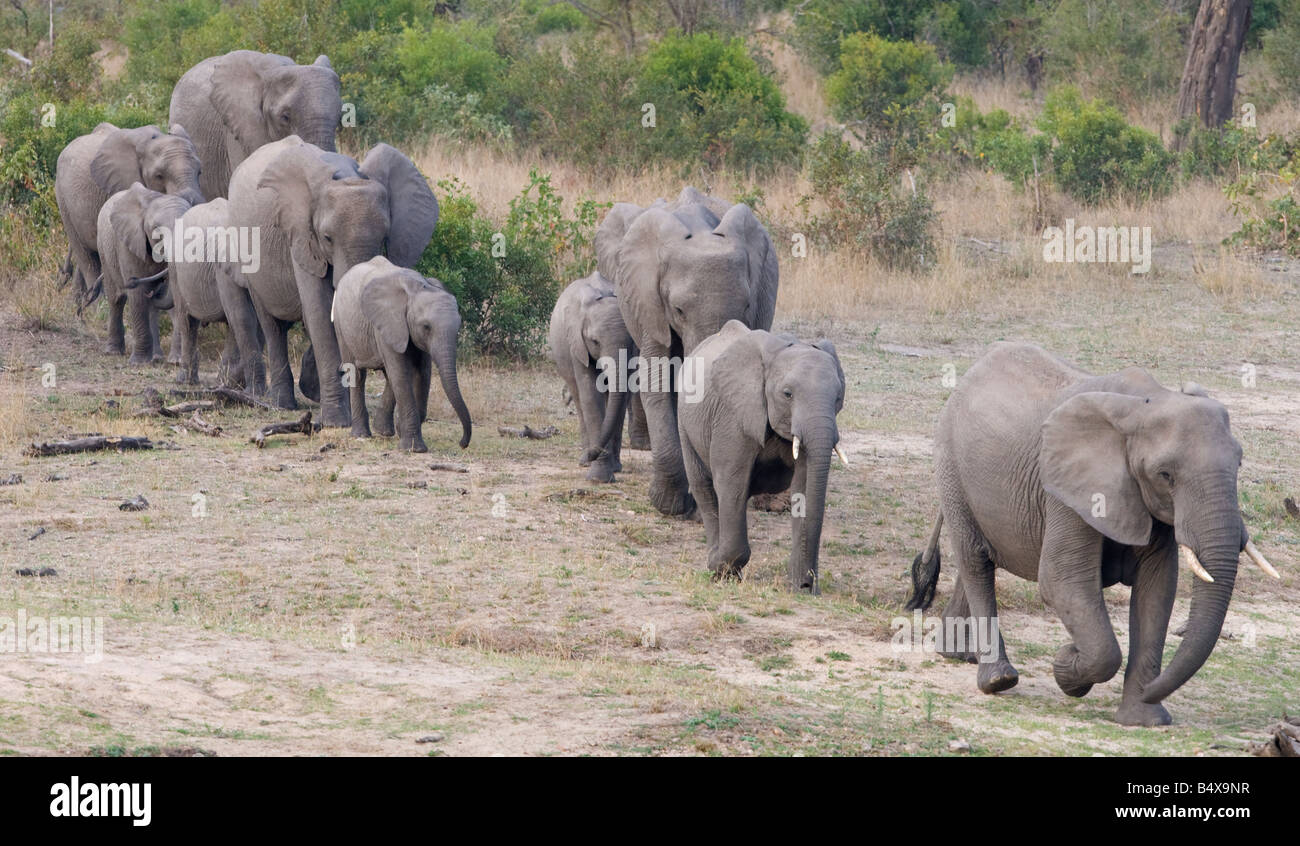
x: 96, y: 166
x: 393, y: 319
x: 235, y: 103
x: 1079, y: 481
x: 756, y: 416
x: 131, y: 227
x: 319, y: 214
x: 681, y: 270
x: 200, y: 289
x: 589, y: 344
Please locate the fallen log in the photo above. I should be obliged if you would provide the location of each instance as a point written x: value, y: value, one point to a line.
x: 527, y: 432
x: 224, y: 396
x: 202, y: 426
x: 449, y: 466
x: 88, y: 444
x: 301, y: 426
x: 1283, y: 741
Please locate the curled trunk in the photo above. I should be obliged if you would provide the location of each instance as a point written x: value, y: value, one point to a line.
x: 444, y: 358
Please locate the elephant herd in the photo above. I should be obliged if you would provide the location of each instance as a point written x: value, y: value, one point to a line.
x: 244, y: 213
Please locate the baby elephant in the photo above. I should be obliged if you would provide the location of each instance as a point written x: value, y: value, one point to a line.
x: 131, y: 229
x: 755, y: 412
x: 393, y: 319
x: 586, y: 338
x: 1078, y: 482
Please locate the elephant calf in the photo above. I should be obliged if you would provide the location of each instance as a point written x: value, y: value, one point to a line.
x: 131, y: 227
x: 393, y: 319
x: 1077, y: 482
x: 756, y: 411
x: 586, y: 338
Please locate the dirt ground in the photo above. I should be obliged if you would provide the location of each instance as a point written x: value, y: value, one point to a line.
x: 326, y: 596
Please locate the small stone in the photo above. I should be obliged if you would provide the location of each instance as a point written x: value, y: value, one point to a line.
x: 959, y: 745
x: 435, y: 737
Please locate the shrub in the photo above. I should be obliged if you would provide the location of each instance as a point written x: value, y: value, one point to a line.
x: 70, y: 69
x: 712, y: 100
x: 1098, y: 155
x: 1266, y: 201
x: 1279, y: 48
x: 866, y: 207
x: 889, y: 91
x: 1230, y: 151
x: 959, y: 29
x: 1127, y: 52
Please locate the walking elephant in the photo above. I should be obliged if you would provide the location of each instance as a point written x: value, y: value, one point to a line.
x: 393, y: 319
x: 318, y: 214
x: 681, y: 270
x: 1078, y: 482
x: 760, y: 418
x: 96, y: 166
x: 586, y: 337
x: 131, y: 228
x: 235, y: 103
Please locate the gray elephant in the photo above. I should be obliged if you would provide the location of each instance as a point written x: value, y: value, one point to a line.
x: 756, y: 416
x: 588, y: 340
x: 393, y: 319
x: 319, y: 214
x: 200, y: 287
x: 235, y: 103
x: 131, y: 228
x: 1077, y: 482
x: 93, y: 167
x: 681, y: 270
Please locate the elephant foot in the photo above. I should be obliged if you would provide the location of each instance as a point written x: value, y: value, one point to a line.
x: 384, y: 428
x: 114, y: 349
x: 1075, y: 680
x: 139, y: 360
x: 602, y: 473
x: 584, y: 461
x: 174, y: 359
x: 670, y: 499
x: 280, y: 400
x: 1139, y: 713
x: 416, y: 445
x: 639, y: 443
x: 361, y: 431
x: 996, y: 676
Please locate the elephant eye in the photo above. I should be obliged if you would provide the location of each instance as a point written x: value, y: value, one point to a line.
x: 1168, y: 478
x: 787, y: 393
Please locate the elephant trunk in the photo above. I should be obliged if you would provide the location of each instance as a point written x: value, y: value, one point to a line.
x: 320, y: 132
x: 444, y: 358
x: 615, y: 408
x: 1217, y: 551
x: 818, y: 443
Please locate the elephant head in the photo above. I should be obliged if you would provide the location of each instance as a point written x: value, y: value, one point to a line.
x: 264, y: 97
x: 682, y: 272
x: 774, y: 386
x: 406, y: 308
x: 166, y: 163
x: 337, y: 213
x: 1122, y: 460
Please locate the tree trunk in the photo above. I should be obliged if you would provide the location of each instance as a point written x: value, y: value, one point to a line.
x: 1210, y: 75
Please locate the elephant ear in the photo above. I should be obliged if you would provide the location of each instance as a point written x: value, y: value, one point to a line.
x: 692, y: 197
x: 639, y: 272
x: 609, y: 236
x: 739, y: 223
x: 412, y: 207
x: 127, y: 220
x: 179, y: 132
x: 575, y: 324
x: 117, y: 163
x: 1083, y: 462
x: 237, y: 92
x: 290, y: 176
x: 738, y: 375
x: 827, y: 347
x: 383, y: 302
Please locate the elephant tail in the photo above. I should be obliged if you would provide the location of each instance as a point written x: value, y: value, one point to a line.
x: 925, y: 571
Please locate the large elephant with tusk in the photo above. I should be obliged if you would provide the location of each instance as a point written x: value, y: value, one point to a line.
x: 1077, y: 482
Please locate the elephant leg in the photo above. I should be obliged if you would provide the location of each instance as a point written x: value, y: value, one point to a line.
x: 1069, y: 580
x: 731, y: 553
x: 384, y: 417
x: 637, y: 428
x: 188, y: 372
x: 243, y: 323
x: 571, y: 377
x: 591, y: 407
x: 1150, y: 604
x: 144, y: 327
x: 116, y: 330
x: 705, y: 497
x: 176, y: 353
x: 976, y: 570
x: 317, y: 295
x: 279, y: 375
x: 230, y: 371
x: 957, y: 633
x: 668, y: 487
x: 403, y: 374
x: 616, y: 444
x: 357, y: 394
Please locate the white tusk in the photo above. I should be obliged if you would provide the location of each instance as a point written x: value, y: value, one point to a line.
x: 839, y: 450
x: 796, y: 446
x: 1260, y: 561
x: 1189, y: 559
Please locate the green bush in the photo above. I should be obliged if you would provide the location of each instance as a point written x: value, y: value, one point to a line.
x: 889, y: 92
x: 1266, y: 201
x: 713, y: 101
x: 1097, y: 155
x: 1127, y: 52
x: 1279, y: 48
x: 959, y: 30
x: 1230, y: 151
x: 506, y: 277
x: 866, y: 207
